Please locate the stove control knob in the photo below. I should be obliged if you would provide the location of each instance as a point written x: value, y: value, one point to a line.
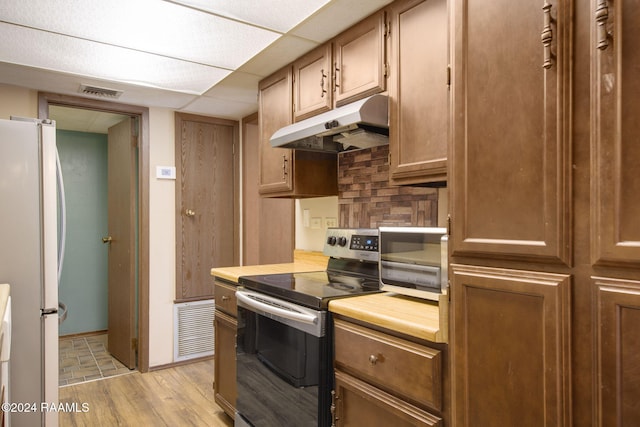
x: 331, y: 240
x: 342, y: 241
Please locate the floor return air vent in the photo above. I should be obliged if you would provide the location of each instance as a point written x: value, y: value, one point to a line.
x: 193, y: 330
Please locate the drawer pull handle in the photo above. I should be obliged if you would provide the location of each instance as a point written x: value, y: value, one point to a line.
x: 373, y: 359
x: 225, y: 298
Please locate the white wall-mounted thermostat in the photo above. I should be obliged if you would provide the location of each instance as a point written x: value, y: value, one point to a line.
x: 165, y: 172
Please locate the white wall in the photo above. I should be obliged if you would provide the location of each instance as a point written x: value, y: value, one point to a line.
x: 162, y: 236
x: 16, y: 101
x: 310, y: 235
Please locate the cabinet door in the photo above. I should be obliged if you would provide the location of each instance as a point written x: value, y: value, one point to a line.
x: 357, y: 403
x: 275, y: 112
x: 511, y: 344
x: 418, y: 91
x: 225, y: 328
x: 618, y: 346
x: 615, y: 148
x: 511, y: 161
x: 312, y: 76
x: 360, y: 60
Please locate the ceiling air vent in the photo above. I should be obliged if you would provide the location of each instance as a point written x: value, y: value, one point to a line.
x: 102, y: 92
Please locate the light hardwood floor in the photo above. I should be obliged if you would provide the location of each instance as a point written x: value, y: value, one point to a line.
x: 178, y: 396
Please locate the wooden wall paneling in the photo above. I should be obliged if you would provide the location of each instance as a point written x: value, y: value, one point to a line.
x: 268, y: 224
x: 510, y: 345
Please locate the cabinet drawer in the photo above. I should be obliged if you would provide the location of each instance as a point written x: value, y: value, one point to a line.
x: 401, y: 367
x: 225, y: 296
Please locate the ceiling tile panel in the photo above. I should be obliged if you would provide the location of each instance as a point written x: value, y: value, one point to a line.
x: 154, y: 26
x: 278, y: 15
x: 104, y: 61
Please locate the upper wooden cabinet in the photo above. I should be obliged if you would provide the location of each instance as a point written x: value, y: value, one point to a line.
x: 274, y: 112
x: 284, y: 172
x: 359, y: 60
x: 615, y: 148
x: 418, y: 91
x: 312, y: 78
x: 511, y: 132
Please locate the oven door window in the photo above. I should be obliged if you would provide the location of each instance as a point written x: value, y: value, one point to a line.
x: 279, y: 372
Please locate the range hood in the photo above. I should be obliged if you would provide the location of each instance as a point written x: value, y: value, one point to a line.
x: 360, y: 124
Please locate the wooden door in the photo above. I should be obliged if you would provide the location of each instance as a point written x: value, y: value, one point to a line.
x: 312, y: 76
x: 512, y: 163
x: 121, y: 181
x: 275, y: 111
x: 418, y: 92
x: 359, y: 60
x: 268, y: 223
x: 206, y: 216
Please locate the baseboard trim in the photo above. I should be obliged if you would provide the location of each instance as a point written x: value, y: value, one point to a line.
x: 84, y: 334
x: 180, y: 363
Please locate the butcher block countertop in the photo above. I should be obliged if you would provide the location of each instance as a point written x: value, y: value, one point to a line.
x: 303, y: 261
x: 409, y: 316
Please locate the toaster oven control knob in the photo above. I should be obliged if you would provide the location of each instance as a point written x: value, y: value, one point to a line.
x: 342, y: 241
x: 331, y: 240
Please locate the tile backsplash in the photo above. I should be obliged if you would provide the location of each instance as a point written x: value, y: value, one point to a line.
x: 366, y: 199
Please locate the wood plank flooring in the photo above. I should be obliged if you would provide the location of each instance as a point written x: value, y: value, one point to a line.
x: 178, y: 396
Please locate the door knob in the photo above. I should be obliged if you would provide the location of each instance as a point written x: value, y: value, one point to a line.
x: 189, y: 212
x: 107, y: 239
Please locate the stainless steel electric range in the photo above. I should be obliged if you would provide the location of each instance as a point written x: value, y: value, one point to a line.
x: 284, y: 342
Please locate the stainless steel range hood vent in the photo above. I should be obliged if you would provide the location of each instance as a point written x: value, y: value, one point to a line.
x: 360, y: 124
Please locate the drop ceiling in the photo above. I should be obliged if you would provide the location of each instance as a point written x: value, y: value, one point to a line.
x: 197, y: 56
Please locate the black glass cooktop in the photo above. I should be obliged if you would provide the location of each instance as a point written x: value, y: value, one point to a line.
x: 312, y: 289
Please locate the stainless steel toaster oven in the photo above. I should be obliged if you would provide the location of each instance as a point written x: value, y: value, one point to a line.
x: 414, y: 261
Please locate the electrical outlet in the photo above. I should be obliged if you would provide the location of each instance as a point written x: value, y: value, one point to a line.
x: 330, y: 222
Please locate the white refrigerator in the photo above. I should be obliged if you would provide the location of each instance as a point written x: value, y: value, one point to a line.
x: 29, y: 263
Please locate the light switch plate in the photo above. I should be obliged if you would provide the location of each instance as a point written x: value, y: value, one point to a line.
x: 316, y: 222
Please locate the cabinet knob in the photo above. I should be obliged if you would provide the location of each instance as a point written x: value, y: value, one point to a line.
x: 225, y: 298
x: 373, y: 359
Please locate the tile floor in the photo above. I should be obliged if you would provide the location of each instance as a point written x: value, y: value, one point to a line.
x: 86, y: 358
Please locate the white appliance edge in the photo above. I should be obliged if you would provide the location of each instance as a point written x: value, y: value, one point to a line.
x: 28, y: 262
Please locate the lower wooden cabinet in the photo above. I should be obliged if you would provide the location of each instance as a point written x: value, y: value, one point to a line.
x: 617, y: 306
x: 357, y: 403
x: 510, y: 347
x: 385, y: 380
x: 225, y: 326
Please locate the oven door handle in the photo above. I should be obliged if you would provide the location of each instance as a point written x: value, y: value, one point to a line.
x: 275, y: 306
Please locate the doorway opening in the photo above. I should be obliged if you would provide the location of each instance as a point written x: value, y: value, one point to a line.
x: 55, y: 106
